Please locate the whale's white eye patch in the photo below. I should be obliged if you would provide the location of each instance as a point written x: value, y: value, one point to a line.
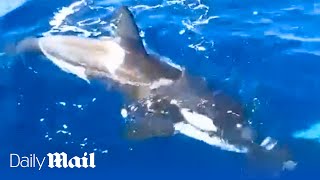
x: 191, y: 131
x: 198, y: 120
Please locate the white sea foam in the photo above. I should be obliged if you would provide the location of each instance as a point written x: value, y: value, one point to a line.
x: 89, y: 21
x: 312, y: 133
x: 63, y: 103
x: 60, y: 16
x: 305, y: 50
x: 268, y: 143
x: 59, y: 19
x: 110, y: 2
x: 7, y: 6
x: 145, y: 7
x: 124, y: 113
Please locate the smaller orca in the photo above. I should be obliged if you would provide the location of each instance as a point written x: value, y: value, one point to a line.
x: 121, y: 58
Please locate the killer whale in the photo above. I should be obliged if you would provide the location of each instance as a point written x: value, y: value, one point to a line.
x: 167, y: 100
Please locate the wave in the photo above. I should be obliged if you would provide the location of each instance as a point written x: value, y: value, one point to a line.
x: 293, y: 37
x: 305, y: 51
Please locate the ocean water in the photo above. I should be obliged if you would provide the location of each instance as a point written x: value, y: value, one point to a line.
x: 263, y: 53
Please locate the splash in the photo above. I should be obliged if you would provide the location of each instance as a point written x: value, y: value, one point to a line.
x: 60, y: 24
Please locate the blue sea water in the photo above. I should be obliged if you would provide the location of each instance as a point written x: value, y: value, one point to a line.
x: 264, y: 53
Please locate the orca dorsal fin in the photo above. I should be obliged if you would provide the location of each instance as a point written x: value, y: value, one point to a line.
x: 127, y: 30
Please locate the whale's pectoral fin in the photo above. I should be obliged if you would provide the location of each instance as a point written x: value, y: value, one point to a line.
x: 127, y: 30
x: 148, y: 127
